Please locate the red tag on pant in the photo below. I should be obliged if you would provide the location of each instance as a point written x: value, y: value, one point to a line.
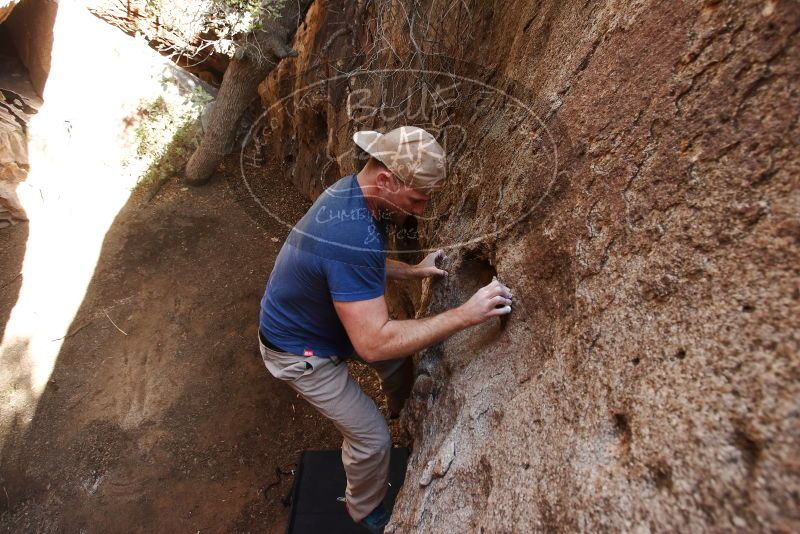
x: 308, y: 352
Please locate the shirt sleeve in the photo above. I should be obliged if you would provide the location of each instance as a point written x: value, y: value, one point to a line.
x: 349, y: 282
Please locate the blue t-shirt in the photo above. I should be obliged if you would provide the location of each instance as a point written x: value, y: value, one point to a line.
x: 335, y: 252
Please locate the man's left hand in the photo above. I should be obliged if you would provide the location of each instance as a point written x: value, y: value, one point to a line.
x: 427, y: 267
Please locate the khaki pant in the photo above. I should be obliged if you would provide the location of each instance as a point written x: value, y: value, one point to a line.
x: 326, y: 385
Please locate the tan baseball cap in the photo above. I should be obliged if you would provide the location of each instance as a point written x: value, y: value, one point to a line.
x: 410, y: 152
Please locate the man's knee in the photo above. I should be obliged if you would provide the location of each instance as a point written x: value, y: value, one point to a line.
x: 368, y: 449
x: 382, y: 448
x: 380, y: 439
x: 377, y: 441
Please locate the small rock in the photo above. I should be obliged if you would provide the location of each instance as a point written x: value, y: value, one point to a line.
x: 92, y: 484
x: 427, y: 475
x: 439, y: 467
x: 445, y: 460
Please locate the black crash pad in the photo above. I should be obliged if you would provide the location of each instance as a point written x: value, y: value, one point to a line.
x: 320, y: 482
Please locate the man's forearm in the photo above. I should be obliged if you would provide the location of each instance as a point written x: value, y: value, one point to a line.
x: 403, y: 338
x: 377, y: 337
x: 397, y: 270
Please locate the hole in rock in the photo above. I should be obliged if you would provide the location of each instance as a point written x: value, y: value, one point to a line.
x: 621, y: 426
x: 661, y: 474
x: 475, y: 272
x: 749, y: 448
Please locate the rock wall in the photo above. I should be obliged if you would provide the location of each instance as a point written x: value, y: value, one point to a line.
x: 25, y: 45
x: 19, y: 102
x: 31, y: 28
x: 630, y: 170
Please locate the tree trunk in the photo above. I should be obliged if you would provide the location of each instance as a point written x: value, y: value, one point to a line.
x: 257, y: 54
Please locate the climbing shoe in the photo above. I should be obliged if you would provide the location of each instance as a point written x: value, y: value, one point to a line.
x: 377, y: 519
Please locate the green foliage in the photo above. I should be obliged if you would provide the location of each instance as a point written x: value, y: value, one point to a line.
x: 152, y: 115
x: 174, y: 157
x: 165, y: 133
x: 213, y: 19
x: 199, y: 98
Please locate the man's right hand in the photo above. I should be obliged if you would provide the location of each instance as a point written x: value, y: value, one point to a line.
x: 375, y: 336
x: 489, y: 301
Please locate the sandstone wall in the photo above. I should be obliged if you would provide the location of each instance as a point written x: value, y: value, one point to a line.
x: 31, y: 28
x: 19, y: 101
x: 646, y: 219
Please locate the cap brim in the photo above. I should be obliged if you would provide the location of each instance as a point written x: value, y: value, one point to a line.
x: 367, y: 140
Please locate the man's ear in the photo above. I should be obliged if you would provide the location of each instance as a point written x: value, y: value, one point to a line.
x: 385, y: 180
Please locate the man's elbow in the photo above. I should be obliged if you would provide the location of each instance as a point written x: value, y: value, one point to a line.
x: 372, y: 347
x: 369, y: 354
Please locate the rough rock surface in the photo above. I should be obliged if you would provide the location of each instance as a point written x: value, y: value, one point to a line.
x: 649, y: 377
x: 18, y: 103
x: 30, y: 26
x: 24, y: 66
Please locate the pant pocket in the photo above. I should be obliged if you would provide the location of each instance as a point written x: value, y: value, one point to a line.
x: 293, y: 371
x: 283, y: 365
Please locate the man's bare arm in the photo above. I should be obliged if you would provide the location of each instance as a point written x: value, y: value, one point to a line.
x: 377, y: 337
x: 397, y: 270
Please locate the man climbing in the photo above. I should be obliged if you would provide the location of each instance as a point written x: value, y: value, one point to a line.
x: 325, y: 301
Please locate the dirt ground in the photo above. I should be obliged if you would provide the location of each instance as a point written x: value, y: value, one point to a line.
x: 173, y: 425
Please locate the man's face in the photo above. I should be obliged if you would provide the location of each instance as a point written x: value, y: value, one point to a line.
x: 402, y: 201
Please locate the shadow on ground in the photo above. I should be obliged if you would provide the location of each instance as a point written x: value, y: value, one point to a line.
x: 159, y: 414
